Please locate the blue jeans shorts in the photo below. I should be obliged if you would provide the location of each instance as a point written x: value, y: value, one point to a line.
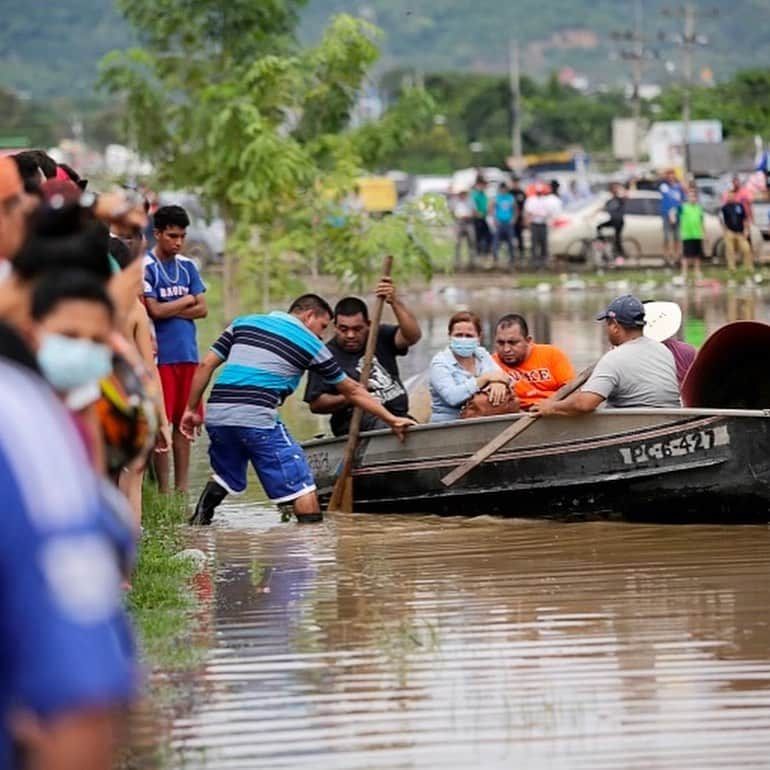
x: 277, y: 458
x: 670, y: 231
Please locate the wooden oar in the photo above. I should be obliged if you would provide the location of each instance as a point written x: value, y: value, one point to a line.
x: 342, y: 493
x: 513, y: 430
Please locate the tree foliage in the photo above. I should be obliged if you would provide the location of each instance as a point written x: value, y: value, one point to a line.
x: 254, y: 122
x: 740, y: 103
x: 477, y: 108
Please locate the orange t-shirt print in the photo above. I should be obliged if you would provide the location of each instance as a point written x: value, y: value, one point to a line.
x: 541, y: 375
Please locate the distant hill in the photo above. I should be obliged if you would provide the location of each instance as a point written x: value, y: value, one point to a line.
x: 50, y: 49
x: 473, y: 34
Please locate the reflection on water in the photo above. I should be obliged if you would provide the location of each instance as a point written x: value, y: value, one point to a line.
x: 428, y: 642
x: 423, y: 642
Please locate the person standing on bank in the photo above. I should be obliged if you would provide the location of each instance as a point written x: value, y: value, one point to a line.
x: 173, y: 294
x: 480, y: 203
x: 505, y: 211
x: 351, y: 332
x: 691, y: 233
x: 735, y: 226
x: 519, y: 198
x: 264, y: 357
x: 537, y: 211
x: 671, y: 199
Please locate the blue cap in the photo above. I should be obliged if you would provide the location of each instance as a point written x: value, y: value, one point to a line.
x: 626, y: 310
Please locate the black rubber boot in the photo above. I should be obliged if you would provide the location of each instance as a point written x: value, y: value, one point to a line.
x: 210, y: 498
x: 309, y: 518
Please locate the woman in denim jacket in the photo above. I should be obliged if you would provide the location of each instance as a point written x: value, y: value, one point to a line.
x: 462, y: 369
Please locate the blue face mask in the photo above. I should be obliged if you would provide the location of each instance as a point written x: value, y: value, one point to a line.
x: 68, y: 363
x: 464, y: 347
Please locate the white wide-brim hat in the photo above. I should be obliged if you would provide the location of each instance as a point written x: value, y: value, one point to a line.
x: 661, y: 320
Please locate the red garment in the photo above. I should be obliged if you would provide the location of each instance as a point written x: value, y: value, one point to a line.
x: 684, y: 355
x: 176, y: 380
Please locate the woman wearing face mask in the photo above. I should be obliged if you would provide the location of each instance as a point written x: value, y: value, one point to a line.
x: 463, y: 369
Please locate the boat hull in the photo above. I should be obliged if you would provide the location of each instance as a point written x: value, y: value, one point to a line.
x: 631, y: 462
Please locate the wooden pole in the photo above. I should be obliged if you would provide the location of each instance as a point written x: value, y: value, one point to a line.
x: 342, y: 493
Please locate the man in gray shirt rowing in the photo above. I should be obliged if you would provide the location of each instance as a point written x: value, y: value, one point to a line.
x: 637, y: 372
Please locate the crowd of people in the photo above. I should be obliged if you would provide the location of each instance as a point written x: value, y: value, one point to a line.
x: 484, y: 222
x: 483, y: 225
x: 78, y: 407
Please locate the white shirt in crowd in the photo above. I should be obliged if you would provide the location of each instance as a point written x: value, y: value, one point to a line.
x: 540, y: 208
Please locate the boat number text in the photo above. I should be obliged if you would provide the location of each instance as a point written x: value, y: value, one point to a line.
x: 319, y: 463
x: 676, y: 447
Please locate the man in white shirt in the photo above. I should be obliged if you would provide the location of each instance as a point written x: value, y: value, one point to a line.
x: 538, y: 209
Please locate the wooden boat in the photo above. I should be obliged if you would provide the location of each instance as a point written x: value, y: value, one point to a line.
x: 631, y: 461
x: 695, y: 461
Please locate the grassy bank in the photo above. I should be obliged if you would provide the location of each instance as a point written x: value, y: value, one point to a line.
x: 160, y: 600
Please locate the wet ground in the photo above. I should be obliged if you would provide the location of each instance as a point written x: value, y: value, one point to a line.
x: 425, y: 642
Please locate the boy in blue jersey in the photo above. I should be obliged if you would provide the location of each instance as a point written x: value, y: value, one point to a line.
x: 264, y: 357
x: 173, y: 293
x: 65, y: 644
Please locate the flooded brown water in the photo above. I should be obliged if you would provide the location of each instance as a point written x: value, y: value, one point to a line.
x: 425, y: 642
x: 390, y: 642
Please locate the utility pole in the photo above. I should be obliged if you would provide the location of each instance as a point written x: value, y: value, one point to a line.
x: 515, y: 76
x: 687, y: 45
x: 688, y: 40
x: 637, y: 71
x: 636, y: 53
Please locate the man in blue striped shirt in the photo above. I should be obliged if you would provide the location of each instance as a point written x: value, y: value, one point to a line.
x: 264, y: 358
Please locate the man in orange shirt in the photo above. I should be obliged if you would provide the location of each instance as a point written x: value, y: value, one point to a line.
x: 538, y: 371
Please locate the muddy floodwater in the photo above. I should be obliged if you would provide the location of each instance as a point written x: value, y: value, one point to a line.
x: 427, y: 642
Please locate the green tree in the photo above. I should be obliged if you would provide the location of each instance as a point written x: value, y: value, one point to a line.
x: 27, y: 121
x: 740, y: 103
x: 223, y: 101
x: 477, y: 108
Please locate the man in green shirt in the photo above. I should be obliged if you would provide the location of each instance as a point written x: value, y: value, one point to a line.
x: 691, y: 233
x: 480, y: 204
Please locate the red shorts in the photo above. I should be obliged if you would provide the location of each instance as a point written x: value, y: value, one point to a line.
x: 176, y: 380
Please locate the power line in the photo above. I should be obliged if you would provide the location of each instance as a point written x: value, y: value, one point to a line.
x: 637, y: 53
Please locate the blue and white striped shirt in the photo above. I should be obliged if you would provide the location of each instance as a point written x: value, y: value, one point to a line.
x: 266, y: 356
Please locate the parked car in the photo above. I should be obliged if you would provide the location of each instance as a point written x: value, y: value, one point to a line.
x: 643, y: 232
x: 761, y: 211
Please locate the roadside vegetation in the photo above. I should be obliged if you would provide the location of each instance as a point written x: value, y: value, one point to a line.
x: 161, y: 600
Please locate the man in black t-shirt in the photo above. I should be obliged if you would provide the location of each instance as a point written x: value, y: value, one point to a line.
x: 616, y: 210
x: 351, y: 331
x: 735, y: 227
x: 520, y: 198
